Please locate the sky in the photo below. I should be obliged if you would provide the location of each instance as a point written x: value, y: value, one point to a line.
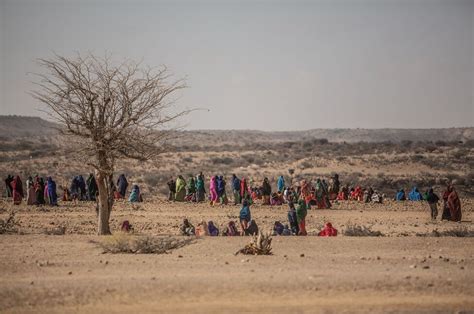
x: 265, y: 65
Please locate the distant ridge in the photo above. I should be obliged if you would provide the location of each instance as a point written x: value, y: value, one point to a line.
x: 23, y: 127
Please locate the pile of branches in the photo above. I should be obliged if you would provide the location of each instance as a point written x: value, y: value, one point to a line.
x: 259, y: 245
x: 9, y: 225
x: 126, y: 243
x: 354, y: 230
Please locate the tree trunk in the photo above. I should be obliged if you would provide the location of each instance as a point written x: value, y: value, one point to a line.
x: 105, y: 203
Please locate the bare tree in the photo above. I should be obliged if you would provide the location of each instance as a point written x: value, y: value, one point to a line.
x: 111, y: 111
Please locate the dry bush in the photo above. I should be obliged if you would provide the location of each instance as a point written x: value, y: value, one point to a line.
x: 354, y: 230
x: 461, y: 232
x: 126, y: 243
x: 60, y: 230
x: 9, y: 225
x: 259, y: 245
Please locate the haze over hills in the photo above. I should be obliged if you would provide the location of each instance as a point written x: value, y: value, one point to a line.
x: 35, y: 127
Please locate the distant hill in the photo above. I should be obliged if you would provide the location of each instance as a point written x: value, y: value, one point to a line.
x: 24, y: 127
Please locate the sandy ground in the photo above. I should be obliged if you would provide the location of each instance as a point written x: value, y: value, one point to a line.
x: 398, y: 273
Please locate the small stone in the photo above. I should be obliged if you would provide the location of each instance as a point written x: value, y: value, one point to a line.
x: 407, y: 277
x: 462, y: 267
x: 446, y: 259
x: 301, y: 255
x: 180, y: 256
x: 32, y: 283
x: 106, y: 262
x: 430, y: 285
x: 426, y: 267
x: 378, y: 257
x: 227, y: 263
x: 69, y: 273
x: 412, y: 266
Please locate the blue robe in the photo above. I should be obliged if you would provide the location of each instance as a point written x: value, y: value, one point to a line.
x: 53, y: 197
x: 415, y: 195
x: 400, y: 196
x: 281, y: 184
x: 245, y: 213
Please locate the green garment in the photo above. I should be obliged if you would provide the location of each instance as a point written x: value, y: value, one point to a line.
x: 191, y: 186
x: 301, y: 211
x: 199, y: 184
x: 180, y: 189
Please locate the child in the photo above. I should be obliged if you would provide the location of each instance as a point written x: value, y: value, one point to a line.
x: 245, y: 216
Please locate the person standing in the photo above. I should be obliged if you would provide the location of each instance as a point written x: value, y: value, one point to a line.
x: 52, y: 195
x: 454, y: 205
x: 180, y: 189
x: 17, y: 188
x: 172, y: 189
x: 266, y: 191
x: 122, y: 185
x: 236, y: 189
x: 245, y: 216
x: 432, y: 200
x: 281, y: 184
x: 91, y: 187
x: 213, y: 190
x: 8, y: 185
x: 292, y: 218
x: 200, y: 189
x: 30, y: 192
x: 301, y: 212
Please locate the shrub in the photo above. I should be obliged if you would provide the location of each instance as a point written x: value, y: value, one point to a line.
x: 354, y: 230
x: 461, y: 232
x: 187, y: 160
x: 224, y: 160
x: 126, y: 243
x: 259, y: 245
x: 9, y: 225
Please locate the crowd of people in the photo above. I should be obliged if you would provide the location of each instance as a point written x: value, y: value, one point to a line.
x: 305, y: 194
x: 299, y: 197
x: 41, y: 191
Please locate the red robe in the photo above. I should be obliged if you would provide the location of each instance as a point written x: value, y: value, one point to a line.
x: 328, y: 231
x: 454, y: 204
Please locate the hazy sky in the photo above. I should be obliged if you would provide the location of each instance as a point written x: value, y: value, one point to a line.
x: 266, y: 65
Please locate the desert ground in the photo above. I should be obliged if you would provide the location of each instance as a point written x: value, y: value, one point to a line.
x: 413, y: 268
x: 407, y: 270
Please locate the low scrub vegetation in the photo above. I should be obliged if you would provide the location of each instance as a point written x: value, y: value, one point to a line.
x: 133, y: 244
x: 10, y: 224
x: 354, y: 230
